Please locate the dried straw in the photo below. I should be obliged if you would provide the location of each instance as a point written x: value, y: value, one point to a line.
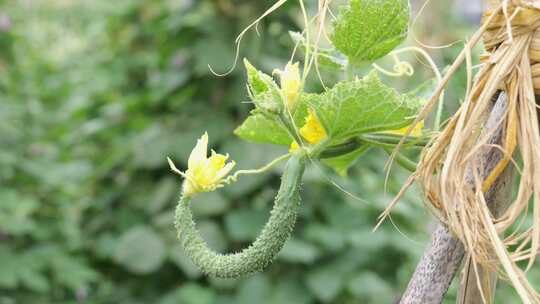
x: 512, y: 64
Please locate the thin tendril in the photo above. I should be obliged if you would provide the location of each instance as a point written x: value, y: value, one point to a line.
x: 422, y: 8
x: 308, y: 40
x: 400, y: 68
x: 435, y: 69
x: 234, y: 177
x: 238, y: 39
x: 438, y: 114
x: 335, y: 184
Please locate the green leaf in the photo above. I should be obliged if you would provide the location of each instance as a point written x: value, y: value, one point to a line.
x: 341, y: 164
x: 209, y: 204
x: 34, y: 280
x: 244, y: 224
x: 371, y: 288
x: 261, y: 128
x: 289, y: 289
x: 140, y: 250
x: 327, y: 279
x: 258, y: 81
x: 72, y: 272
x: 213, y: 235
x: 255, y: 289
x: 16, y: 212
x: 190, y: 293
x: 326, y: 236
x: 9, y: 264
x: 164, y: 191
x: 363, y: 106
x: 298, y: 251
x: 366, y: 30
x: 258, y: 128
x: 264, y: 92
x: 325, y: 283
x: 179, y: 258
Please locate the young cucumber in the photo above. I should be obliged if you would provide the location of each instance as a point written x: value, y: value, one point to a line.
x: 267, y: 245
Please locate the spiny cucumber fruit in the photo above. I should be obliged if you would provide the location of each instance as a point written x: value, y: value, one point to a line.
x: 267, y: 245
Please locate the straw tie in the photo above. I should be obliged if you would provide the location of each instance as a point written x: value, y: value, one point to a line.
x: 521, y: 19
x: 453, y: 173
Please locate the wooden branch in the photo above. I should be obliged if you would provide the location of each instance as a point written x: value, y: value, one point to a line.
x: 444, y: 254
x: 469, y: 291
x: 436, y: 269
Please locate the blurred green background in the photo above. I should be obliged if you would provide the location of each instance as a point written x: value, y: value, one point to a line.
x: 95, y: 94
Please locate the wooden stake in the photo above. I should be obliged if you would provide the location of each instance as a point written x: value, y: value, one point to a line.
x: 444, y: 254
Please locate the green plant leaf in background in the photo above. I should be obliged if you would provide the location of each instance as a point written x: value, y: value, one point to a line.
x: 363, y: 106
x: 16, y: 212
x: 366, y: 30
x: 140, y: 250
x: 190, y: 293
x: 371, y: 288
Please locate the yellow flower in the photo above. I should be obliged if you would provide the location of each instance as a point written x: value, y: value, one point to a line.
x: 204, y: 174
x: 291, y: 84
x: 312, y: 131
x: 417, y: 131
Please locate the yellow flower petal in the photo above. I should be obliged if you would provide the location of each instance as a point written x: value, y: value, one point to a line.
x: 417, y: 131
x: 225, y: 170
x: 312, y: 130
x: 217, y: 161
x: 291, y: 84
x: 205, y: 173
x: 294, y: 146
x: 199, y: 153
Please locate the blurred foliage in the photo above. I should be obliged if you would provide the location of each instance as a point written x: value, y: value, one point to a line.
x: 94, y: 96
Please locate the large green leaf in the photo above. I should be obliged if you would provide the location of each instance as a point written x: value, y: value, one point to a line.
x: 366, y: 30
x: 362, y: 106
x: 261, y: 128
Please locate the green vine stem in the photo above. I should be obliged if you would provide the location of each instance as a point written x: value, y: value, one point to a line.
x: 272, y: 238
x: 376, y: 140
x: 402, y: 160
